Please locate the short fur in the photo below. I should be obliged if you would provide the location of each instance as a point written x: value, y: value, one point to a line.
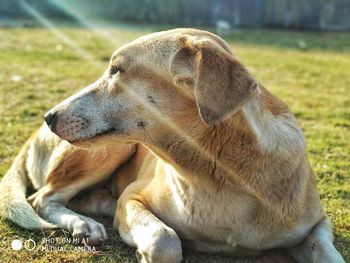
x: 220, y: 163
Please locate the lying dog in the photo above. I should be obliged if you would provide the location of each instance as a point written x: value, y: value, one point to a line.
x: 221, y: 163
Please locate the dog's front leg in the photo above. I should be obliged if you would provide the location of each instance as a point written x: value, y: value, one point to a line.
x: 52, y: 208
x: 140, y: 228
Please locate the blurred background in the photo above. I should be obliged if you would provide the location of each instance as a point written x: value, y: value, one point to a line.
x: 298, y: 49
x: 295, y: 14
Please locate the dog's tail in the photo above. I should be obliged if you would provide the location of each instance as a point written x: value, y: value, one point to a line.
x: 13, y: 203
x: 318, y: 246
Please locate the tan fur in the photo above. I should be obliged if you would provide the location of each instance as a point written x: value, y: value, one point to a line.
x: 221, y: 164
x: 57, y: 171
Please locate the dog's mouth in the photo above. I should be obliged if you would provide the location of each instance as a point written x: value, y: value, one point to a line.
x: 93, y: 136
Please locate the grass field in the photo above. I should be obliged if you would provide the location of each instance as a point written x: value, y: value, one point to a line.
x: 309, y: 71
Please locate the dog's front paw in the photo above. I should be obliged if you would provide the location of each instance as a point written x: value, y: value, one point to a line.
x: 89, y: 231
x: 165, y: 246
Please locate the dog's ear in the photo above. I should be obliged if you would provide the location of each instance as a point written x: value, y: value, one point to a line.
x: 221, y: 83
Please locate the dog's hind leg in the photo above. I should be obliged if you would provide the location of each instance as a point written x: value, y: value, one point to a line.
x: 96, y: 202
x: 318, y: 246
x: 140, y: 228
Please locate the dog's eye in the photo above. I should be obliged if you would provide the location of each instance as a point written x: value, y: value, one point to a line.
x: 114, y: 70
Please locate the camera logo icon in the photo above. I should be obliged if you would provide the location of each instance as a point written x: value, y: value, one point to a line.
x: 17, y: 244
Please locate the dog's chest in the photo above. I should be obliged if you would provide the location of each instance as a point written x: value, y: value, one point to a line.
x: 199, y: 214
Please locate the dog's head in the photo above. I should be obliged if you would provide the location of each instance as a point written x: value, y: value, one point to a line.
x: 156, y: 80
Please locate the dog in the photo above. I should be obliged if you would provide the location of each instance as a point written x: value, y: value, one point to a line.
x: 202, y: 156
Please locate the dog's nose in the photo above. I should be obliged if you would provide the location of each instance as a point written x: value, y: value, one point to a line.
x: 51, y: 120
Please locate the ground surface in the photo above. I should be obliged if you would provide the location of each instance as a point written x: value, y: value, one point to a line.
x: 309, y: 71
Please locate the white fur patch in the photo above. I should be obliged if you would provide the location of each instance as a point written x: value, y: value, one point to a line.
x: 280, y: 134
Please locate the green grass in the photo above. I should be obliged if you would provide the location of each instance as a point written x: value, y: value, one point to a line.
x: 309, y: 71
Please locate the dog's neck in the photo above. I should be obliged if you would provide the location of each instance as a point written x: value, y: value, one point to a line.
x: 263, y: 131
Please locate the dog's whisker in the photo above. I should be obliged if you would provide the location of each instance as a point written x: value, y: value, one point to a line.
x: 144, y: 128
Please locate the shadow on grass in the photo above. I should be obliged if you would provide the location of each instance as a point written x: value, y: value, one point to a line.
x: 342, y: 243
x: 115, y: 250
